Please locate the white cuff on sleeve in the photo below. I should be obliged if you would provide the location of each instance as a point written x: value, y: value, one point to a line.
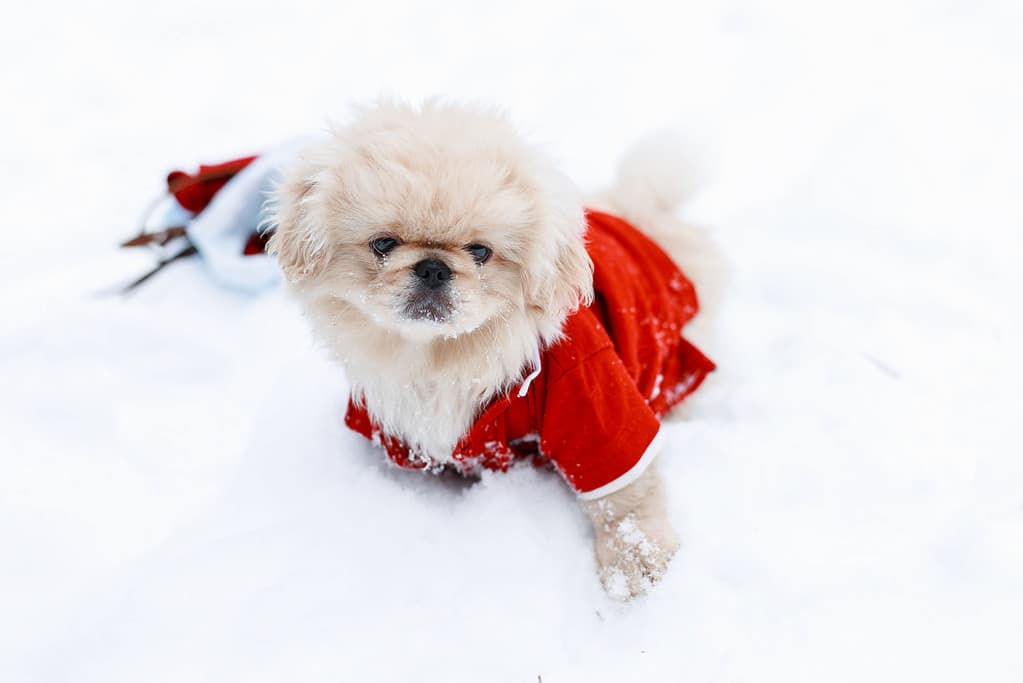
x: 652, y: 449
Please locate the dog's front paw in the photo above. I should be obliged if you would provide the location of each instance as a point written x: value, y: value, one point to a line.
x: 633, y: 556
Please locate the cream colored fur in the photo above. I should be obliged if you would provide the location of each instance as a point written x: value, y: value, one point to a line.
x: 634, y: 537
x: 437, y: 179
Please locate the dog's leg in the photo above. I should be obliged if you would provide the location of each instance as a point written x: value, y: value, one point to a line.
x: 634, y: 539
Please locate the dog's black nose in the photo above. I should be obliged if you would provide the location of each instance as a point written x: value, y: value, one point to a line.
x: 434, y: 273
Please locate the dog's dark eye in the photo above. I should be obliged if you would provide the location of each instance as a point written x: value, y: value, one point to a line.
x: 382, y: 245
x: 480, y: 254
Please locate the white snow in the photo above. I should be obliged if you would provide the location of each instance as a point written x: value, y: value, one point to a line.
x: 180, y: 501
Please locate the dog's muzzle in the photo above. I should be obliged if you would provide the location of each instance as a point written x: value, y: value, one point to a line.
x: 430, y: 298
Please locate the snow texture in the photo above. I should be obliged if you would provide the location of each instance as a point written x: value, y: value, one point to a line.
x: 180, y: 501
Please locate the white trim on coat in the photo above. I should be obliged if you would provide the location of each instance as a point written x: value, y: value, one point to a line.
x: 632, y: 474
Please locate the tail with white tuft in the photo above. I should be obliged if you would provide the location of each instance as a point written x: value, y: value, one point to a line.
x: 654, y: 180
x: 654, y: 177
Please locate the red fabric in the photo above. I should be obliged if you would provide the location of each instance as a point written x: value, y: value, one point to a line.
x: 194, y: 191
x: 257, y: 242
x: 622, y: 363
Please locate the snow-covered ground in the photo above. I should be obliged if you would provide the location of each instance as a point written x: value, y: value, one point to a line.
x: 179, y: 500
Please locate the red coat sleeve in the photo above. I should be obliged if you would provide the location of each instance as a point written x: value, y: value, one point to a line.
x: 596, y: 427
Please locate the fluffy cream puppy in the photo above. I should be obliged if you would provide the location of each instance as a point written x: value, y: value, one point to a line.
x: 435, y: 254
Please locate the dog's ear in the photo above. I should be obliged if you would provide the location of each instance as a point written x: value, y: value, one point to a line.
x: 299, y: 241
x: 563, y: 283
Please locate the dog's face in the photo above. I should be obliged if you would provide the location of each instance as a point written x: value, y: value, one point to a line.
x: 433, y: 223
x: 437, y: 249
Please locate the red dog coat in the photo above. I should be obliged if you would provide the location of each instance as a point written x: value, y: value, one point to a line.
x: 594, y: 408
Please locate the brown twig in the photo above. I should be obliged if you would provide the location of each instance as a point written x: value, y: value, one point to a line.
x: 187, y: 251
x: 162, y: 237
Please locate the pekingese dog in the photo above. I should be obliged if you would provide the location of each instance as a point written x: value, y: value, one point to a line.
x: 484, y: 316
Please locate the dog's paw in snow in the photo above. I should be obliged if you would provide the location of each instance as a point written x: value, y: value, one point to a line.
x: 634, y: 539
x: 631, y: 558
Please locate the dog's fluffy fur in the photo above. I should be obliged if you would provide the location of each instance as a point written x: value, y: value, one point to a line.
x: 438, y: 179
